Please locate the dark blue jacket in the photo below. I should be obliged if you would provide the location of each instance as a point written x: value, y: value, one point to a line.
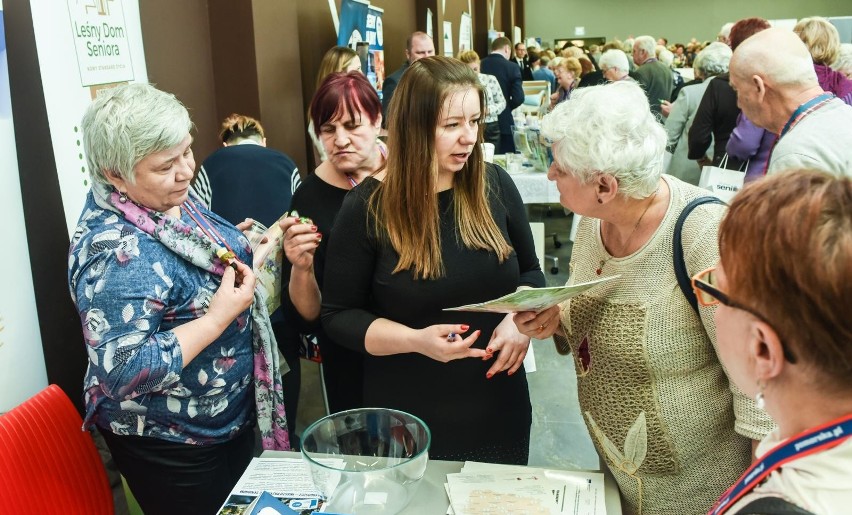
x: 508, y: 74
x: 250, y: 181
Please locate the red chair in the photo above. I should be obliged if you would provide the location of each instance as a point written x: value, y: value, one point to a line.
x: 48, y: 464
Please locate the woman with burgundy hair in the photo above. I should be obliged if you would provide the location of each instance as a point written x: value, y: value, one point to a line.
x: 347, y: 117
x: 782, y: 288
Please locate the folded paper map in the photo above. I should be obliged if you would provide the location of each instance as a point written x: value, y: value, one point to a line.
x: 534, y: 299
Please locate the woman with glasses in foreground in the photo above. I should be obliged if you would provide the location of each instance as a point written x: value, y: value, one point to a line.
x: 784, y: 333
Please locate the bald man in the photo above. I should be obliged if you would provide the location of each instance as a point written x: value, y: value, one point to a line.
x: 418, y: 46
x: 777, y: 89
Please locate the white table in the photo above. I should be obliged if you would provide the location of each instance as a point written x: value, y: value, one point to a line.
x: 431, y: 498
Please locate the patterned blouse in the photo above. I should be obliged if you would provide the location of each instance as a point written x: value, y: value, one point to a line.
x: 494, y: 99
x: 131, y: 292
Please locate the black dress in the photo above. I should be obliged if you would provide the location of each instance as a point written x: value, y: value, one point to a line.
x: 470, y: 417
x: 342, y: 367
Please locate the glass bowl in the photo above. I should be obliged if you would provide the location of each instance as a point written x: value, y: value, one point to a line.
x: 381, y: 457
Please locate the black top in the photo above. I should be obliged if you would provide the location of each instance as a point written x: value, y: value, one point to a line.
x: 342, y: 371
x: 470, y: 417
x: 714, y: 121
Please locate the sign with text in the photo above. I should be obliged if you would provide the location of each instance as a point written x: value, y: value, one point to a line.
x: 101, y: 40
x: 71, y: 78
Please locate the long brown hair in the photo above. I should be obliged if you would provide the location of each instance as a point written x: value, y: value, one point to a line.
x: 405, y: 206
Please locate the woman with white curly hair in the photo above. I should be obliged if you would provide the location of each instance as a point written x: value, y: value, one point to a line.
x: 662, y: 412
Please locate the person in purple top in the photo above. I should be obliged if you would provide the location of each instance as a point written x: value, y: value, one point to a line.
x: 823, y: 42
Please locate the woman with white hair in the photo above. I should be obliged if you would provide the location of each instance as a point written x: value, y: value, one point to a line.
x: 182, y: 361
x: 710, y: 62
x: 615, y: 66
x: 661, y: 411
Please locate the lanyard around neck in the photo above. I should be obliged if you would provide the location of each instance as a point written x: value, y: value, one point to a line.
x: 804, y: 110
x: 800, y: 113
x: 814, y: 440
x: 206, y: 227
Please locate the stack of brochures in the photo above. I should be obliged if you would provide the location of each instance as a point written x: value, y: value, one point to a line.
x: 509, y: 489
x: 286, y: 479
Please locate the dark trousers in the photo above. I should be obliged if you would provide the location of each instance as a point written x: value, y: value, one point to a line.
x: 343, y: 374
x: 507, y: 144
x: 492, y: 135
x: 169, y: 477
x: 291, y: 382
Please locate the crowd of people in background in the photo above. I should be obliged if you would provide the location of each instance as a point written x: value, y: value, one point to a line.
x: 722, y: 340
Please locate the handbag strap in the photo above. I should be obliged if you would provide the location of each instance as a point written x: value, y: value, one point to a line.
x: 681, y: 273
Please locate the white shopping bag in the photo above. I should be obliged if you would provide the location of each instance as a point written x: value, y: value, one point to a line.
x: 722, y: 182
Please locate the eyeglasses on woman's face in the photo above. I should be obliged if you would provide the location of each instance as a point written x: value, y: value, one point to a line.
x: 706, y: 287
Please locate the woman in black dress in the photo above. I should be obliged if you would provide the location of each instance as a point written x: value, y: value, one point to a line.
x: 439, y: 230
x: 347, y: 116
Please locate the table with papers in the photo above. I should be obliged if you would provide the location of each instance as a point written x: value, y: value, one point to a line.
x: 570, y: 492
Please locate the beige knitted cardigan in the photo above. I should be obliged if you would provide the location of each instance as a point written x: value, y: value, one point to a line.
x: 661, y: 412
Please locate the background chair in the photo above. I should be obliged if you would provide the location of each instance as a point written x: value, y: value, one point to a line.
x: 48, y: 463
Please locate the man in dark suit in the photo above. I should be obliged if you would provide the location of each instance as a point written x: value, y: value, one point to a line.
x: 508, y: 76
x: 523, y: 61
x: 417, y: 46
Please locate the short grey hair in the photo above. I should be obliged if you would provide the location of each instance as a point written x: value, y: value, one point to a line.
x: 646, y: 43
x: 125, y: 124
x: 614, y: 58
x: 609, y: 129
x: 714, y: 59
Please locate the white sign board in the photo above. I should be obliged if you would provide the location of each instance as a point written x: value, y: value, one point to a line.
x: 88, y: 45
x: 101, y: 41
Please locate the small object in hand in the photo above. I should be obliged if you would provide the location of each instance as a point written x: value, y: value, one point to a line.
x: 227, y: 257
x: 451, y: 337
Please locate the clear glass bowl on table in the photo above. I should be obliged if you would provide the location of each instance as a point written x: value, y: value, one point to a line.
x: 382, y: 454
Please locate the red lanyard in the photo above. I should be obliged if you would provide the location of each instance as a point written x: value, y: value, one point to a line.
x: 206, y: 227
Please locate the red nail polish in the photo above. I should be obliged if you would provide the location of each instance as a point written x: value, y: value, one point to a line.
x: 464, y: 328
x: 314, y: 228
x: 489, y: 375
x: 319, y: 235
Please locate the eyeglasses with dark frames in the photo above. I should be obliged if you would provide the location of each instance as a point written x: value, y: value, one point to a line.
x: 708, y: 294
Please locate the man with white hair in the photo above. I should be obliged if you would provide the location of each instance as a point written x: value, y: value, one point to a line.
x: 615, y: 66
x: 777, y: 89
x: 654, y: 76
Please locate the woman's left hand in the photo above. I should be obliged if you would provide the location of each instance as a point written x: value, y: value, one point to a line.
x: 509, y: 344
x: 538, y: 325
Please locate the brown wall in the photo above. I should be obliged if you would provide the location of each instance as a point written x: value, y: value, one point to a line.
x: 279, y: 77
x: 176, y: 36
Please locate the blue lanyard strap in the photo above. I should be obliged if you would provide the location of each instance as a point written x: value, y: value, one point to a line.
x: 804, y: 110
x: 809, y: 442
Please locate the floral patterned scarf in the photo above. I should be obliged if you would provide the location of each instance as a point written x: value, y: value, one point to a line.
x: 190, y: 243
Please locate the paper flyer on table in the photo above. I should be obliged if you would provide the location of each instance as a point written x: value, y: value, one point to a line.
x: 287, y: 479
x: 533, y: 299
x: 524, y: 490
